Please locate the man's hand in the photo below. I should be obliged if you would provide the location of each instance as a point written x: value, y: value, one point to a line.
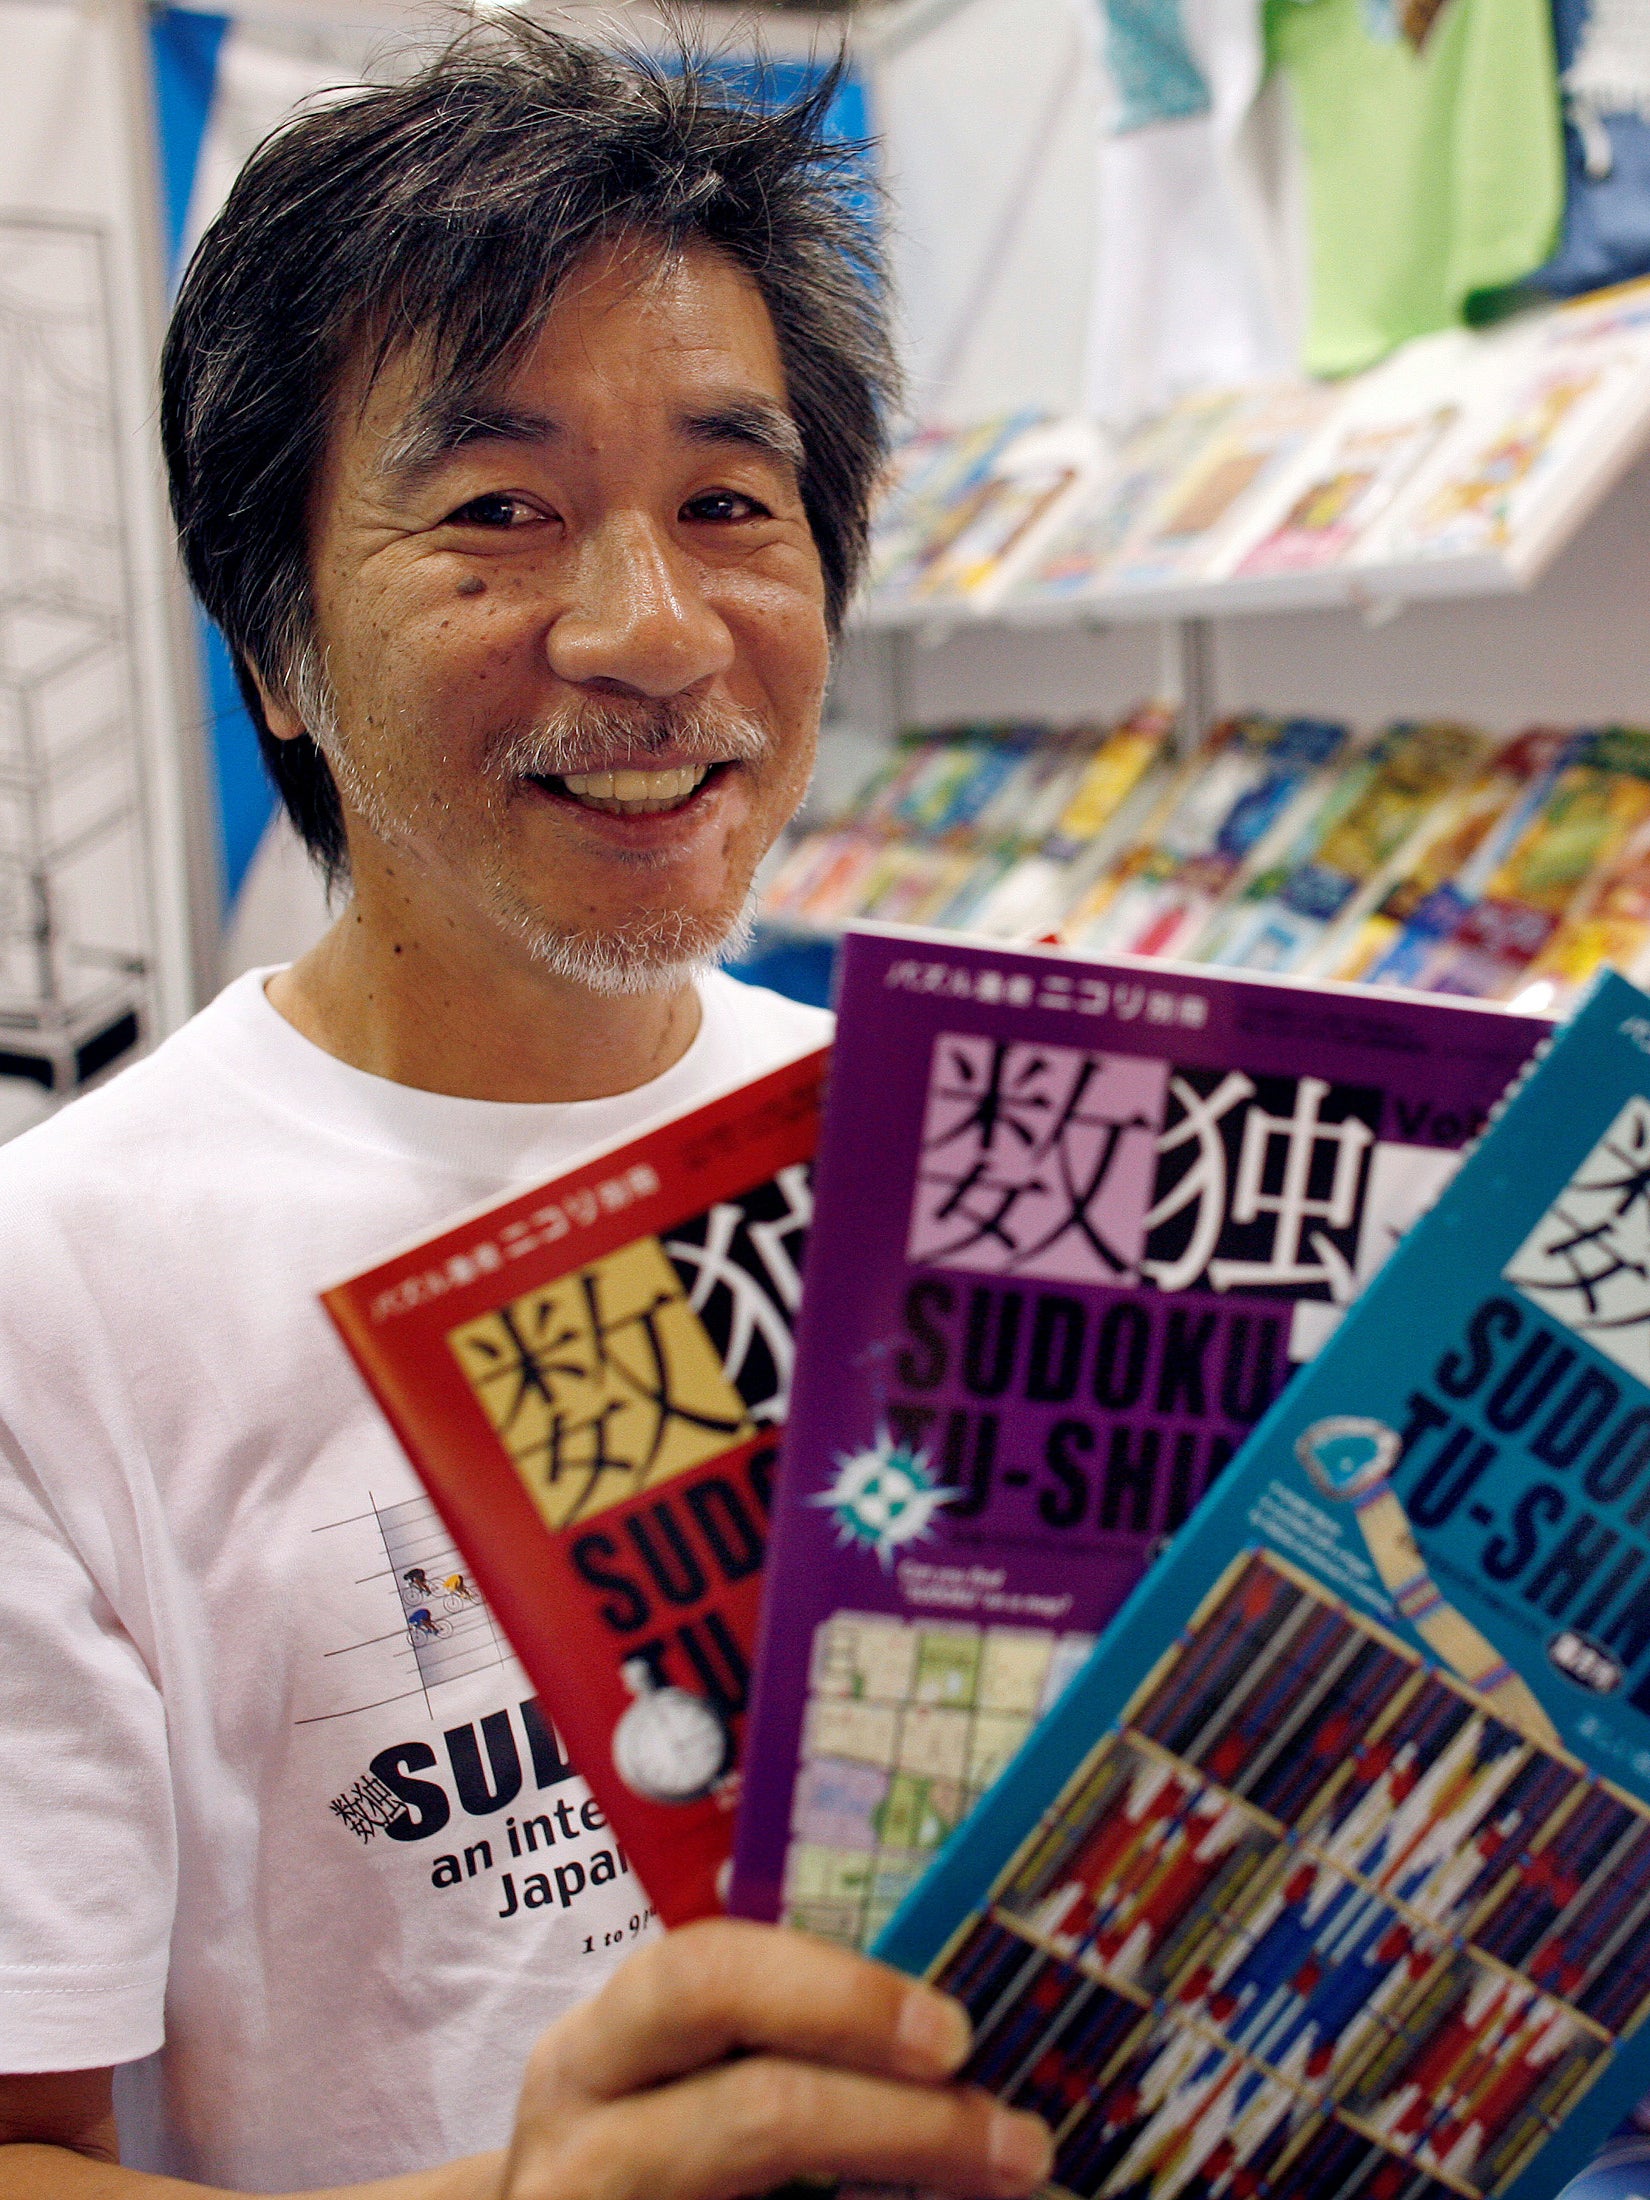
x: 728, y: 2058
x: 721, y: 2061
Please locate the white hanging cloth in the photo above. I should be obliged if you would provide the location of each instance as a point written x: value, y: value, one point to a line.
x: 1200, y: 247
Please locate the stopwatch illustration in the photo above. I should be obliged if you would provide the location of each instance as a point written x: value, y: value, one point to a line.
x: 670, y: 1746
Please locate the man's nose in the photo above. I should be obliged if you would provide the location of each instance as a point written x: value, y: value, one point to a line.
x: 638, y: 619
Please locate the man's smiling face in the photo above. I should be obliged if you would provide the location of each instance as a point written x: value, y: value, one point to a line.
x: 573, y: 627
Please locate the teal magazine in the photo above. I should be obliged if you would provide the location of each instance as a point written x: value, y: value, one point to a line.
x: 1329, y: 1877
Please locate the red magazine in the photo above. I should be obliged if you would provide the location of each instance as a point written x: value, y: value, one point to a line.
x: 591, y: 1378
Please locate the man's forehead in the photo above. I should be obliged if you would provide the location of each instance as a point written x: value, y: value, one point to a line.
x: 690, y: 328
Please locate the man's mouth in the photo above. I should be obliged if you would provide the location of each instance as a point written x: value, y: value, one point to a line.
x: 632, y: 793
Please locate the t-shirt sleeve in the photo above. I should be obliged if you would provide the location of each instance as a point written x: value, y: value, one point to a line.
x: 86, y: 1816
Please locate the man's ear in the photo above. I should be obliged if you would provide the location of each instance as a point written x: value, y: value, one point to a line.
x: 279, y: 716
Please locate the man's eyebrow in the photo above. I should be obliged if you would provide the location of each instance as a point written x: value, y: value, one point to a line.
x: 753, y: 422
x: 443, y: 425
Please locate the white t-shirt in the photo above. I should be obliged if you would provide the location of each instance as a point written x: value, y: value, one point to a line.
x: 347, y: 1882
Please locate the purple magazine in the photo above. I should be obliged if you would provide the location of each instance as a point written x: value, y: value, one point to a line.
x: 1076, y: 1220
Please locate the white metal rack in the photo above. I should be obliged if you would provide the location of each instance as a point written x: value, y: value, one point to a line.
x: 75, y: 934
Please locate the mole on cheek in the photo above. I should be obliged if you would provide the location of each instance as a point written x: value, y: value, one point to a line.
x: 472, y: 585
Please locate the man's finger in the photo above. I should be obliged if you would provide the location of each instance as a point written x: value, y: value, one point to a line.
x: 714, y: 1989
x: 750, y: 2125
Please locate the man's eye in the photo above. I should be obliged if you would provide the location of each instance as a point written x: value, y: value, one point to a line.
x: 495, y: 510
x: 724, y: 505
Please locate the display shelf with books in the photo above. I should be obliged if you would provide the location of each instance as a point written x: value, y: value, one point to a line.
x: 978, y: 825
x: 1460, y: 466
x: 1426, y: 856
x: 968, y: 511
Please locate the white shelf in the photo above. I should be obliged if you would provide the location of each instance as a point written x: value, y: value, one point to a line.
x: 1528, y: 428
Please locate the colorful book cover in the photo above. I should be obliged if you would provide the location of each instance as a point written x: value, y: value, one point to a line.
x: 1330, y: 1874
x: 923, y: 803
x: 1430, y: 927
x: 996, y: 826
x: 878, y: 803
x: 1019, y: 505
x: 1148, y: 465
x: 919, y: 883
x: 1422, y: 902
x: 801, y: 870
x: 1608, y: 923
x: 1028, y: 807
x: 1077, y: 1219
x: 590, y: 1378
x: 1565, y: 409
x: 1479, y: 507
x: 819, y: 878
x: 1250, y: 783
x: 965, y: 910
x: 1116, y: 774
x: 1367, y: 466
x: 1285, y: 914
x: 993, y: 507
x: 1104, y: 811
x: 994, y: 756
x: 929, y: 482
x: 1207, y: 504
x: 1598, y: 797
x: 933, y: 783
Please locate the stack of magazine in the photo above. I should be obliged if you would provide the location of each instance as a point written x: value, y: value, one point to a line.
x: 1425, y: 856
x: 1201, y: 1503
x: 1459, y: 465
x: 966, y: 513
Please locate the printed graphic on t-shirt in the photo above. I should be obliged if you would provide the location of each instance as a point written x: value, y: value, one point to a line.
x: 1413, y: 20
x: 1157, y: 77
x: 444, y: 1631
x: 418, y: 1758
x: 1611, y: 69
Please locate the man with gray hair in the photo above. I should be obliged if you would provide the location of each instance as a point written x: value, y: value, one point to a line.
x: 522, y: 422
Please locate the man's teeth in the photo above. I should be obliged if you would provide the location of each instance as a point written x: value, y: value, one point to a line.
x: 632, y: 793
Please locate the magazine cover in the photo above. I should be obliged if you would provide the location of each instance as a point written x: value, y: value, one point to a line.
x: 1206, y: 510
x: 985, y: 521
x: 1031, y: 487
x: 1597, y: 798
x: 929, y: 474
x: 1366, y: 467
x: 1385, y: 427
x: 1106, y: 808
x: 1249, y: 784
x: 1459, y: 843
x: 590, y: 1378
x: 1609, y: 922
x: 1566, y: 410
x: 1077, y: 1219
x: 1331, y: 1873
x: 995, y: 828
x: 1147, y: 468
x: 1381, y: 800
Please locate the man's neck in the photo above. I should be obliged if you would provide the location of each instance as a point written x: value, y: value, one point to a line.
x: 447, y: 1011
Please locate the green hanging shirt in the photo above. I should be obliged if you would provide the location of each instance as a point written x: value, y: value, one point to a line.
x: 1432, y: 174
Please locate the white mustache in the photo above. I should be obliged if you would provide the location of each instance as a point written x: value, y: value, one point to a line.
x: 600, y: 737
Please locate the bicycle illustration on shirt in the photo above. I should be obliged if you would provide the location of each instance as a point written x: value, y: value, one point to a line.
x: 455, y: 1595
